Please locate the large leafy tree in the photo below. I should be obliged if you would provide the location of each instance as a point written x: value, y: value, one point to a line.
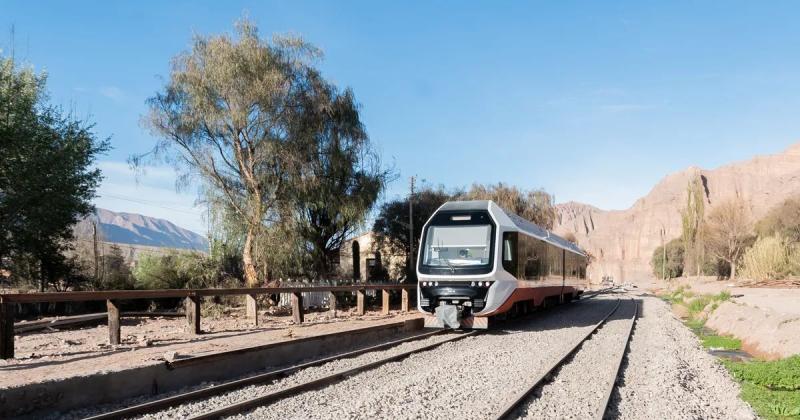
x: 339, y: 177
x: 47, y: 178
x: 535, y: 205
x: 226, y: 116
x: 391, y: 227
x: 278, y: 148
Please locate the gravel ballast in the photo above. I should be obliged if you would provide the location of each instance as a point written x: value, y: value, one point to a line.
x: 669, y: 375
x: 666, y: 374
x: 470, y: 378
x: 578, y: 389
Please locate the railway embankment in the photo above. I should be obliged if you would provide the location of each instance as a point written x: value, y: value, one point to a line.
x: 63, y: 370
x: 756, y: 334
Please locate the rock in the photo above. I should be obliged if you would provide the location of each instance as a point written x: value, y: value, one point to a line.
x: 622, y: 242
x: 680, y: 311
x: 170, y: 356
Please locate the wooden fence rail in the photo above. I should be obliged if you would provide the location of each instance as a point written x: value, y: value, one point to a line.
x: 192, y: 301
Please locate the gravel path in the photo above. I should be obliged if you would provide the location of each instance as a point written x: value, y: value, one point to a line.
x: 469, y: 378
x: 578, y: 389
x: 668, y: 374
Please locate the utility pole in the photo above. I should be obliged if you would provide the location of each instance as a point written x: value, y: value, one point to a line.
x: 96, y: 256
x: 411, y: 265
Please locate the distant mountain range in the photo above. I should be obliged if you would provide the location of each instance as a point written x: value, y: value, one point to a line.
x: 622, y: 241
x: 135, y: 229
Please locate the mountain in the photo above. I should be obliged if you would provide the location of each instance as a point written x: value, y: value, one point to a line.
x: 135, y: 229
x: 623, y: 242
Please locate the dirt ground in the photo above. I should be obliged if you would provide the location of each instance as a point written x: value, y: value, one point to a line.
x: 767, y: 320
x: 52, y: 355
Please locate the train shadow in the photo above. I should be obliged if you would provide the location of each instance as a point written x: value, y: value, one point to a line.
x: 576, y: 314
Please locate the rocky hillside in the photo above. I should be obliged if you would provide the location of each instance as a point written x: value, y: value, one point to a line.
x: 623, y: 241
x: 135, y: 229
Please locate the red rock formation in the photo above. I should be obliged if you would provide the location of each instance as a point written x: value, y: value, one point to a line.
x: 623, y: 242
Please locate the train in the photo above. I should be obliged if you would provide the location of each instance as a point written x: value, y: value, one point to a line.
x: 478, y: 262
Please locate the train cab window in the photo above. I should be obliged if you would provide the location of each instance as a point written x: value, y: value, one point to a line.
x: 510, y: 252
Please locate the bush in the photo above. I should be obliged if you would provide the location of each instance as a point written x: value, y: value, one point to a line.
x: 179, y: 270
x: 768, y: 259
x: 674, y: 262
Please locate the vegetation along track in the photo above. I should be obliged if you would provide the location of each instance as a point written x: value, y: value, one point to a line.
x: 612, y: 344
x: 175, y: 400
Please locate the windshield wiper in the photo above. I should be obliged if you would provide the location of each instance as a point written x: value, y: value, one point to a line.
x: 449, y: 264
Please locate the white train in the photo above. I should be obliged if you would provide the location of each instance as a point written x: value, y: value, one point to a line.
x: 477, y: 261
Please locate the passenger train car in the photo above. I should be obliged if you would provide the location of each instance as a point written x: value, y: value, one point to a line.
x: 477, y: 261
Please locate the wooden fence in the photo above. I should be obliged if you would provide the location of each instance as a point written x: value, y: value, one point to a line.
x: 192, y: 301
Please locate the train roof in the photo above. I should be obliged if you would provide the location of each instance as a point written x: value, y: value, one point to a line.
x: 522, y: 224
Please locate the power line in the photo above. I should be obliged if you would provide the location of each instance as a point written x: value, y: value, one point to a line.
x: 149, y: 203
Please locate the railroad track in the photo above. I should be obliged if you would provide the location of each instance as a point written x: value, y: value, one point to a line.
x: 513, y: 405
x: 221, y: 388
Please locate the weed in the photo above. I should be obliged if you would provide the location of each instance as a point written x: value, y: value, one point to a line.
x: 721, y: 342
x: 772, y: 388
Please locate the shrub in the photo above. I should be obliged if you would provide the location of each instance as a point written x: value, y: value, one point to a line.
x: 179, y: 270
x: 673, y: 267
x: 768, y: 259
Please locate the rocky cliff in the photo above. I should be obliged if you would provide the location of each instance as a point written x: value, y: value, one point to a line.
x: 623, y: 242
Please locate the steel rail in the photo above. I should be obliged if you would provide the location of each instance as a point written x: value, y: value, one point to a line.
x: 317, y: 383
x: 521, y: 397
x: 622, y: 352
x: 163, y: 403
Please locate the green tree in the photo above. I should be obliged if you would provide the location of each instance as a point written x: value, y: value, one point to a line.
x: 115, y: 274
x: 47, y: 179
x: 391, y: 224
x: 672, y: 267
x: 535, y: 205
x: 227, y: 114
x: 692, y: 217
x: 339, y: 177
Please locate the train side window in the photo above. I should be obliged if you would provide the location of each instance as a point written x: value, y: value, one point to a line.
x: 510, y: 252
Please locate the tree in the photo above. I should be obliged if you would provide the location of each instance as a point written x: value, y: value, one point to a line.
x: 727, y: 233
x: 339, y: 178
x: 391, y: 224
x: 229, y: 110
x: 672, y: 267
x: 115, y: 272
x: 783, y: 220
x: 535, y: 205
x: 47, y: 179
x: 692, y: 217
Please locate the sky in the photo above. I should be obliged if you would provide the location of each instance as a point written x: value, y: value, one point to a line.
x: 592, y: 101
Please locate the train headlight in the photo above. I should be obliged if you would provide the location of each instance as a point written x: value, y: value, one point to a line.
x: 436, y: 284
x: 472, y: 284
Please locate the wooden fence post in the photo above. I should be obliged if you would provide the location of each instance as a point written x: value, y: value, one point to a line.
x: 385, y: 298
x: 332, y: 303
x: 359, y: 302
x: 252, y: 308
x: 114, y: 328
x: 404, y: 301
x: 297, y: 307
x: 192, y: 308
x: 7, y: 330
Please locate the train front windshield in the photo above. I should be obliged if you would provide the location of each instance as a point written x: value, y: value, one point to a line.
x: 457, y: 246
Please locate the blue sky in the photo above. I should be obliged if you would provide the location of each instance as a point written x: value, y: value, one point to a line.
x: 593, y: 101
